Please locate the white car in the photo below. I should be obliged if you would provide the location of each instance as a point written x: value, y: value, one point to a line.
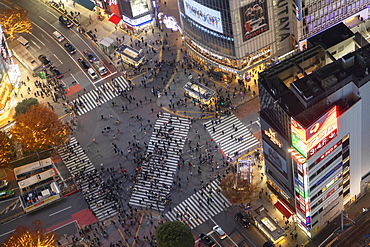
x: 92, y: 74
x: 219, y: 232
x: 3, y: 184
x: 58, y: 36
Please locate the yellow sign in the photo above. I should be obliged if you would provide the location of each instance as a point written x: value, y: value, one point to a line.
x: 273, y: 137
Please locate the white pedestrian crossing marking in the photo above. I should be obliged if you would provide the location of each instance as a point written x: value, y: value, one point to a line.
x: 90, y: 100
x: 200, y: 207
x: 87, y: 179
x: 232, y: 136
x: 163, y: 154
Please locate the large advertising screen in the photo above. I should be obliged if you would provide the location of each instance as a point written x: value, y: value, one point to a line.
x: 254, y: 19
x: 274, y: 158
x: 309, y: 141
x: 203, y: 15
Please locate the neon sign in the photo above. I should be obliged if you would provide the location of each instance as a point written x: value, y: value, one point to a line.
x: 329, y: 151
x: 307, y: 140
x: 273, y: 137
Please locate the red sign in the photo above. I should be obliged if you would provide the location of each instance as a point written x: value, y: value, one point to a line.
x: 322, y: 143
x: 329, y: 151
x: 318, y: 132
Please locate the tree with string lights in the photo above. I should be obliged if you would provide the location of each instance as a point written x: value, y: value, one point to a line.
x: 34, y: 237
x: 15, y: 21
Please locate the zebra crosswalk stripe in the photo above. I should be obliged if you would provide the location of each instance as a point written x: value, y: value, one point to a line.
x: 79, y: 162
x: 157, y: 175
x: 231, y: 135
x: 88, y: 101
x: 200, y: 207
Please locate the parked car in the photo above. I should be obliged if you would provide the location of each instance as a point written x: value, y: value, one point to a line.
x: 83, y: 63
x: 218, y: 230
x: 45, y: 62
x: 65, y: 21
x: 70, y: 48
x: 3, y: 184
x: 6, y: 193
x: 206, y: 240
x: 92, y: 74
x: 89, y: 56
x: 56, y: 72
x: 242, y: 219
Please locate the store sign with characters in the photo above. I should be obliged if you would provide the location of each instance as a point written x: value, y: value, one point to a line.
x: 308, y: 141
x: 273, y: 137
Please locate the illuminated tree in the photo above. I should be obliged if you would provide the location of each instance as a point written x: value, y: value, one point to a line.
x: 15, y: 21
x: 35, y: 237
x: 39, y: 128
x: 7, y: 149
x: 237, y: 189
x: 23, y: 106
x: 174, y: 233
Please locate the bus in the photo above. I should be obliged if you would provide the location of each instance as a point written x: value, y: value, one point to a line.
x: 37, y: 180
x: 34, y: 168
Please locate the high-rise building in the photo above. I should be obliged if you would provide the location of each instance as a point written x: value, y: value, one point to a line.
x: 315, y: 128
x: 243, y: 36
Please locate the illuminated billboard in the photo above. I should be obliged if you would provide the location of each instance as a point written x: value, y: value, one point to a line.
x: 309, y: 141
x: 274, y: 158
x: 203, y: 15
x: 254, y: 19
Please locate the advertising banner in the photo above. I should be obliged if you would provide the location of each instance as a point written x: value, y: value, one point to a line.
x: 203, y: 15
x: 276, y: 159
x: 309, y: 141
x: 254, y: 19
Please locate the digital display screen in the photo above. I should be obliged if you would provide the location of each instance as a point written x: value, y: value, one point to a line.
x: 203, y: 15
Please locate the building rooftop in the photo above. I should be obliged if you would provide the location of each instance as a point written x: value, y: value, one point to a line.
x: 305, y: 86
x: 330, y: 37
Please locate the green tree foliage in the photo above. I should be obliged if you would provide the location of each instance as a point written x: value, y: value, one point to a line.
x: 174, y: 233
x: 7, y: 149
x: 23, y: 106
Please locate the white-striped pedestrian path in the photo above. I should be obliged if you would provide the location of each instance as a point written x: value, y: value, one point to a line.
x: 157, y: 174
x: 79, y: 165
x: 231, y: 135
x: 200, y: 207
x: 90, y: 100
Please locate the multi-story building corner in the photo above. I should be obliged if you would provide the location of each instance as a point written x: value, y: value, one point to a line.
x: 315, y: 128
x: 242, y: 37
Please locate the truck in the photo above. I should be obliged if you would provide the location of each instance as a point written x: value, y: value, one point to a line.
x: 100, y: 67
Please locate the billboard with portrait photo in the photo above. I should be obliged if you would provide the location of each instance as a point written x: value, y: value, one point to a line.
x: 275, y: 158
x: 254, y: 19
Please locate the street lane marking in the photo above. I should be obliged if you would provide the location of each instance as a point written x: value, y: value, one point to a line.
x: 58, y: 58
x: 7, y: 233
x: 57, y: 212
x: 36, y: 37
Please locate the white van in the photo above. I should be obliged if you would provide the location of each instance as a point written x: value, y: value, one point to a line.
x: 92, y: 74
x: 58, y: 36
x: 23, y: 41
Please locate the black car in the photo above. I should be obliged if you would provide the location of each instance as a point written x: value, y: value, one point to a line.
x: 242, y: 219
x: 45, y: 62
x: 65, y: 21
x: 207, y: 240
x: 89, y: 56
x: 70, y: 48
x: 56, y: 72
x: 83, y: 63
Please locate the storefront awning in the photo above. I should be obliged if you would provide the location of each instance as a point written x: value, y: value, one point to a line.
x: 86, y: 3
x: 287, y: 212
x: 114, y: 19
